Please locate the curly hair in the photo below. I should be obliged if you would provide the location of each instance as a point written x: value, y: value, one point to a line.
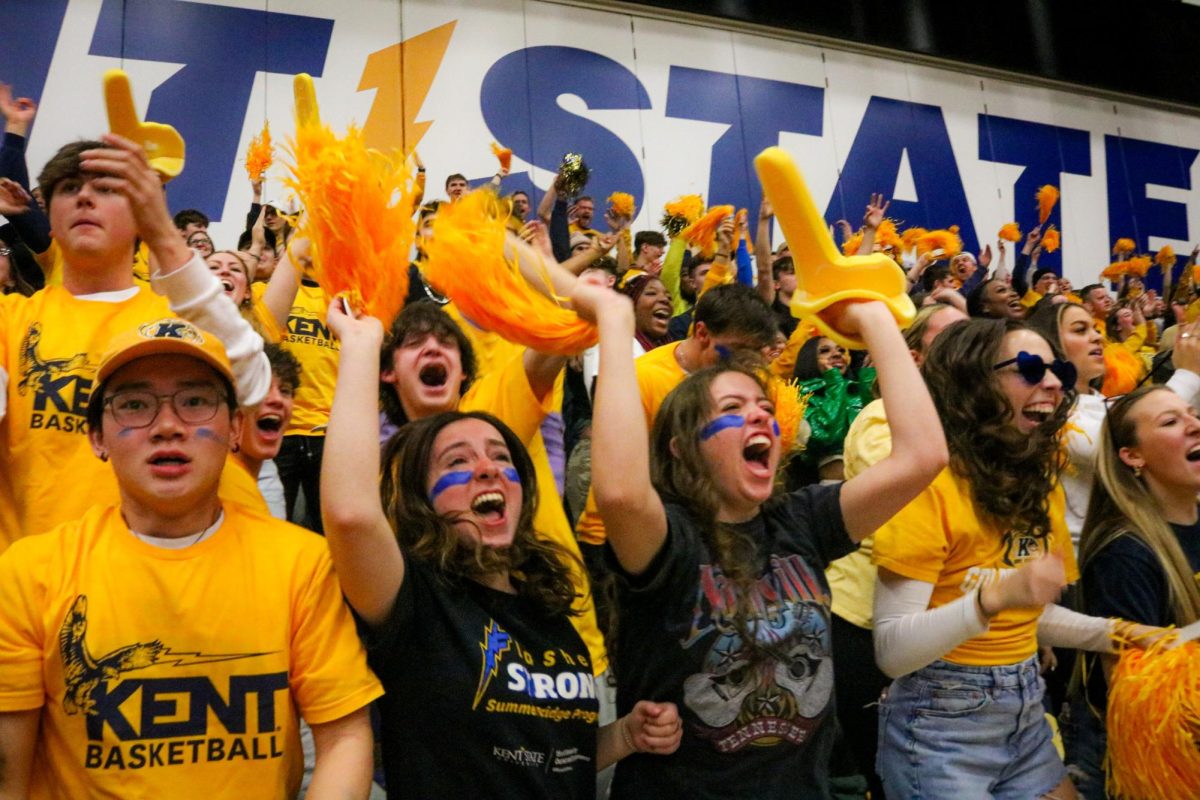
x: 419, y: 320
x: 1011, y: 474
x: 538, y: 568
x: 682, y: 476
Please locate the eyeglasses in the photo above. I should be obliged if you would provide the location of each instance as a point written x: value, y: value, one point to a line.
x: 138, y: 409
x: 1032, y: 368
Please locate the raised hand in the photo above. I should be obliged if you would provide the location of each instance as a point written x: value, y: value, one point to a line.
x: 1034, y: 584
x: 985, y: 257
x: 18, y: 113
x: 653, y: 727
x: 846, y: 231
x: 875, y: 211
x: 14, y: 200
x: 725, y: 233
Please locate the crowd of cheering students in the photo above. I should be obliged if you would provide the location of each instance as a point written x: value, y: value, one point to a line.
x: 534, y: 566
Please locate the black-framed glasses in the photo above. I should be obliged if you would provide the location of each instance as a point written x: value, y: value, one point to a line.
x: 1032, y: 368
x: 139, y: 409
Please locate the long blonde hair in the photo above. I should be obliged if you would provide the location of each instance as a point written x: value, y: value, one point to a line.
x: 1121, y: 505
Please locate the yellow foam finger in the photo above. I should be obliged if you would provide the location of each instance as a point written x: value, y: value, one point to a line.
x: 163, y: 145
x: 305, y: 95
x: 825, y: 278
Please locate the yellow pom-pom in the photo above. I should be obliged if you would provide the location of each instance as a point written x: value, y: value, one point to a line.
x: 260, y: 154
x: 1115, y: 270
x: 359, y: 206
x: 887, y: 238
x: 1123, y: 246
x: 703, y: 232
x: 945, y: 240
x: 910, y: 237
x: 1154, y: 722
x: 1010, y: 232
x: 1139, y: 266
x: 504, y: 155
x: 1047, y: 197
x: 470, y: 260
x: 790, y: 404
x: 1051, y: 240
x: 621, y: 204
x: 1165, y: 257
x: 681, y: 212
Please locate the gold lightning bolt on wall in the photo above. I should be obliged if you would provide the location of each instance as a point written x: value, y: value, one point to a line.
x: 401, y: 76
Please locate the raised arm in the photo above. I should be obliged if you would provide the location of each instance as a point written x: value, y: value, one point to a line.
x: 872, y: 219
x: 918, y: 445
x: 763, y: 257
x: 633, y: 514
x: 365, y: 553
x: 281, y: 289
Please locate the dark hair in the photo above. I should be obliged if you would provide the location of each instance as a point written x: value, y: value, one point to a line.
x: 683, y: 476
x: 538, y: 568
x: 781, y: 264
x: 734, y: 308
x: 652, y: 238
x: 606, y: 263
x: 1011, y: 474
x: 807, y: 366
x: 190, y: 216
x: 457, y: 176
x: 1087, y: 290
x: 95, y: 409
x: 421, y: 319
x: 519, y: 191
x: 1041, y: 273
x: 583, y: 197
x: 975, y: 298
x: 284, y: 366
x: 64, y: 164
x: 934, y: 273
x: 247, y: 238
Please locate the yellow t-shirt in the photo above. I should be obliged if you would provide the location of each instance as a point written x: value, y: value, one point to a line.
x: 658, y: 372
x: 939, y: 538
x: 506, y: 394
x: 51, y: 262
x: 175, y: 673
x: 240, y: 487
x: 260, y: 317
x: 50, y: 346
x: 309, y: 339
x: 852, y: 578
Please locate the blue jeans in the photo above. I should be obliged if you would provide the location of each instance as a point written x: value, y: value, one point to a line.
x: 952, y: 731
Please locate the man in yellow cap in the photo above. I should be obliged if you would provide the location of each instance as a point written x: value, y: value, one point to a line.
x: 162, y: 646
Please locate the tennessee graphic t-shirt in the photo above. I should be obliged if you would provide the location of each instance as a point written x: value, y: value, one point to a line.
x: 486, y: 696
x: 309, y: 339
x: 758, y: 722
x: 175, y: 673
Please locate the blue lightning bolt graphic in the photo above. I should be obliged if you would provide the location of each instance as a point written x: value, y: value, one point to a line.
x: 494, y: 645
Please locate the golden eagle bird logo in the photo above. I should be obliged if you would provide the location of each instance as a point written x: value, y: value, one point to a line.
x: 83, y: 672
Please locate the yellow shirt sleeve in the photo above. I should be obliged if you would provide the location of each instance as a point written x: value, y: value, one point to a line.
x: 21, y: 637
x: 913, y: 543
x: 506, y: 394
x: 869, y: 439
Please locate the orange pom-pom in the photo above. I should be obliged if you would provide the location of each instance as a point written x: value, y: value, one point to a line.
x: 1165, y: 257
x: 887, y: 238
x: 681, y: 212
x: 851, y: 245
x: 359, y: 206
x: 703, y: 232
x: 1047, y: 197
x: 621, y: 204
x: 1050, y: 240
x: 1115, y: 270
x: 1154, y: 722
x: 1123, y: 246
x: 945, y: 240
x: 468, y: 262
x: 1139, y: 266
x: 790, y: 404
x: 260, y: 154
x: 910, y: 237
x: 1010, y: 232
x: 1122, y: 370
x: 504, y: 155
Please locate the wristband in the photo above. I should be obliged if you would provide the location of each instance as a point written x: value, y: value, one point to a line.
x: 626, y: 735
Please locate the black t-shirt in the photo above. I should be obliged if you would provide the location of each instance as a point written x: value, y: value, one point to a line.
x: 755, y: 730
x: 486, y: 696
x: 1126, y: 580
x: 783, y: 315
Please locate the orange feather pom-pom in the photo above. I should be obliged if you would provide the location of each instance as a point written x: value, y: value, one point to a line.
x: 851, y: 245
x: 504, y: 155
x: 945, y: 240
x: 359, y: 206
x: 910, y: 237
x: 1154, y: 722
x: 1139, y: 265
x: 790, y: 404
x: 1123, y: 246
x: 470, y: 260
x: 621, y: 204
x: 260, y: 154
x: 1122, y: 370
x: 1010, y: 232
x: 703, y: 232
x: 1051, y: 240
x: 1165, y: 257
x: 681, y: 212
x: 1115, y: 270
x: 1047, y: 197
x: 887, y: 237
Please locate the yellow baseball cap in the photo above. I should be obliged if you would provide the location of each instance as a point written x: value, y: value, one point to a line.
x: 168, y: 336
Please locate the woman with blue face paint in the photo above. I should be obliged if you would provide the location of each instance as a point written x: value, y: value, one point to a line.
x: 488, y: 684
x: 723, y: 607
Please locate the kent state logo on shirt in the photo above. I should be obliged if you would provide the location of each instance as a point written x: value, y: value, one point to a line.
x: 1020, y: 547
x: 307, y: 327
x: 61, y: 387
x: 168, y: 725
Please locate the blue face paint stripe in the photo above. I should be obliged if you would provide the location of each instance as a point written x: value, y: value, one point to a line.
x: 775, y: 426
x: 721, y: 423
x: 449, y: 479
x: 512, y: 474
